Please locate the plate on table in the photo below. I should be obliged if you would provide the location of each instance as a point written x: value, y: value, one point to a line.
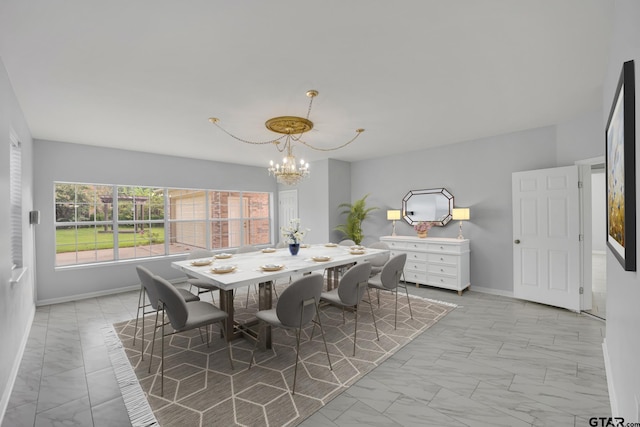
x: 304, y: 245
x: 330, y: 245
x: 271, y: 267
x: 268, y: 250
x: 223, y: 269
x: 357, y: 248
x: 200, y: 262
x: 223, y: 256
x: 321, y: 258
x: 356, y: 251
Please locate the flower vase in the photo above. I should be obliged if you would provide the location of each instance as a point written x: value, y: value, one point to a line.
x: 422, y: 234
x: 294, y: 248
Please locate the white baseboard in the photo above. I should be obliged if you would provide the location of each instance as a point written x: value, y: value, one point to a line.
x: 97, y: 294
x: 13, y: 375
x: 492, y: 291
x: 87, y: 295
x: 612, y: 390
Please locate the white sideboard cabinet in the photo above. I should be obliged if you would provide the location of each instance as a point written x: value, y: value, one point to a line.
x: 433, y: 261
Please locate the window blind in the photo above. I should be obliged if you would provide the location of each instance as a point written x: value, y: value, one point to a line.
x: 15, y: 202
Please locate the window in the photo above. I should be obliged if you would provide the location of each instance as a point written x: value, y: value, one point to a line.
x: 84, y: 223
x: 140, y: 222
x: 15, y: 202
x: 100, y: 223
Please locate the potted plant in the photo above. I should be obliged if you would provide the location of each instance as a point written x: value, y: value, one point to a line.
x: 293, y: 235
x: 356, y: 213
x: 422, y: 228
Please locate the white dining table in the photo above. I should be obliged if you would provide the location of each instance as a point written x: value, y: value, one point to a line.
x: 257, y: 268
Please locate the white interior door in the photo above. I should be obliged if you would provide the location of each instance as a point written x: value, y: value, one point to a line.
x: 287, y: 207
x: 546, y: 236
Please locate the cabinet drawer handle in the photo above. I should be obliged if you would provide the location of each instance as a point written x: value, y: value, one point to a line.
x: 441, y: 259
x: 442, y: 247
x: 442, y: 269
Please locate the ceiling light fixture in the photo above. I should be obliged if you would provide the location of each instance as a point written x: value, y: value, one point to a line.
x: 291, y: 128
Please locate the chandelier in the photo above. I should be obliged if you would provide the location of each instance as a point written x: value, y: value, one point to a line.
x: 291, y: 129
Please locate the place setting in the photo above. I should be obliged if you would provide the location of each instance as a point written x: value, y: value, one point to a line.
x: 223, y: 269
x: 223, y: 255
x: 357, y: 250
x: 201, y: 262
x: 271, y: 267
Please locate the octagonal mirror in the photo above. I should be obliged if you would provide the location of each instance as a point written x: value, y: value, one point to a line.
x: 431, y: 205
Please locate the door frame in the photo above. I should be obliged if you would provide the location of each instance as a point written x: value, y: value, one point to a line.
x: 586, y: 300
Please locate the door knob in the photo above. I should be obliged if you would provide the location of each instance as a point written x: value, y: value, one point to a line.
x: 517, y: 242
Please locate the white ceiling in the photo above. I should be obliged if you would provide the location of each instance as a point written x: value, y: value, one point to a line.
x: 147, y: 74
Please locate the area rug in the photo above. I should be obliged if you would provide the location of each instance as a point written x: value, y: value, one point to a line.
x: 201, y: 389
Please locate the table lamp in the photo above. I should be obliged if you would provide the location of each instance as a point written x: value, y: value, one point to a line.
x: 460, y: 214
x: 393, y: 215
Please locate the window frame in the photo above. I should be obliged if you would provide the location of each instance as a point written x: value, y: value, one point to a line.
x: 167, y: 222
x: 15, y: 202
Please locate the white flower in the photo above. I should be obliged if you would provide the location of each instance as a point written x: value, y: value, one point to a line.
x: 293, y: 234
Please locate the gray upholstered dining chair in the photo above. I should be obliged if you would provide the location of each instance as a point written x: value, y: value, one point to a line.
x: 350, y: 292
x: 346, y: 242
x: 296, y: 307
x: 203, y: 286
x: 389, y: 280
x: 183, y: 316
x: 379, y: 261
x: 147, y: 290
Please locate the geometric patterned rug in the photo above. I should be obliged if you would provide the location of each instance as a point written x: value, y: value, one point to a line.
x: 201, y: 389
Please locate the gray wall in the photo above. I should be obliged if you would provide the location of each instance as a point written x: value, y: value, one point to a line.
x: 339, y: 192
x: 580, y: 138
x: 313, y: 194
x: 320, y: 195
x: 478, y: 174
x: 16, y: 300
x: 57, y: 161
x: 623, y: 288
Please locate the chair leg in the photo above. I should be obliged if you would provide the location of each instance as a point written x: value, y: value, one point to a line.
x: 224, y: 337
x: 355, y: 329
x: 373, y: 314
x: 321, y: 332
x: 295, y: 370
x: 135, y: 332
x: 153, y: 342
x: 162, y: 356
x: 201, y: 337
x: 246, y: 305
x: 255, y: 346
x: 142, y: 337
x: 408, y: 301
x: 395, y: 316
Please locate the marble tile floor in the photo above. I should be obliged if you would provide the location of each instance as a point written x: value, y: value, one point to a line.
x: 493, y: 361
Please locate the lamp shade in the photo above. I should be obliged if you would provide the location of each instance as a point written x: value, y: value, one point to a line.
x: 393, y: 215
x: 460, y: 214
